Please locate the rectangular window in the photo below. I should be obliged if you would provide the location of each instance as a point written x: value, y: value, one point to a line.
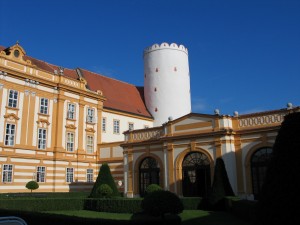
x: 40, y: 174
x: 90, y: 144
x: 70, y: 142
x: 10, y: 134
x: 104, y: 124
x: 44, y: 106
x: 70, y: 175
x: 7, y: 173
x: 116, y: 126
x: 13, y: 99
x: 42, y: 138
x: 89, y: 175
x: 90, y: 115
x: 71, y: 111
x: 130, y: 126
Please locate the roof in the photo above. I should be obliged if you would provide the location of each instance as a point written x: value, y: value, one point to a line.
x: 120, y: 96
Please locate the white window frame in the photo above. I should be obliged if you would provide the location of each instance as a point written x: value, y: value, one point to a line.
x: 104, y: 124
x: 42, y: 138
x: 10, y: 131
x: 116, y: 127
x: 70, y: 142
x: 69, y: 174
x: 90, y: 118
x: 7, y: 173
x: 40, y: 174
x: 13, y: 98
x: 89, y: 144
x: 71, y: 111
x: 130, y: 126
x: 44, y: 105
x: 89, y: 175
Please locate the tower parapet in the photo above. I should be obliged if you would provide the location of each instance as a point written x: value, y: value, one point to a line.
x: 165, y: 45
x: 167, y: 81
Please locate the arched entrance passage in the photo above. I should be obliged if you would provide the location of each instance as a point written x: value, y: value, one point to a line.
x: 195, y: 175
x: 148, y: 173
x: 259, y: 163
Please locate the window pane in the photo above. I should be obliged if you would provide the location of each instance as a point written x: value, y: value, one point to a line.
x: 69, y: 176
x: 103, y: 124
x: 42, y: 139
x: 71, y: 111
x: 10, y: 134
x: 90, y: 144
x: 13, y: 98
x: 90, y: 115
x: 89, y: 175
x: 7, y: 173
x: 44, y: 106
x: 40, y: 174
x: 70, y: 142
x: 116, y: 126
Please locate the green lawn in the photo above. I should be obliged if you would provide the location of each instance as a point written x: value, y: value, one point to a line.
x: 189, y: 217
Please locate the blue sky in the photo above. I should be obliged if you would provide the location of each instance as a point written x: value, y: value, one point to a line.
x: 244, y: 55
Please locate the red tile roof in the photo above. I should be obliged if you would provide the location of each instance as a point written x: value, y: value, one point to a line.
x: 120, y: 96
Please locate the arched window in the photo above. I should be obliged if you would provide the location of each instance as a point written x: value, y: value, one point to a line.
x: 259, y: 162
x: 195, y: 175
x: 149, y: 173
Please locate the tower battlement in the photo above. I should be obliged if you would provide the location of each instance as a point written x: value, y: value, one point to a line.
x: 165, y: 45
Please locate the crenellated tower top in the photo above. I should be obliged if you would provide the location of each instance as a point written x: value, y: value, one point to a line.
x: 165, y: 45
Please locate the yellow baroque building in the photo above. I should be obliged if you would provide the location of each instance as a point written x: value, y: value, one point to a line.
x: 59, y: 125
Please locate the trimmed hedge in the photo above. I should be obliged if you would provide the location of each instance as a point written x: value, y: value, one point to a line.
x: 114, y: 205
x: 160, y: 203
x: 191, y: 203
x: 104, y: 177
x: 42, y: 204
x: 37, y: 218
x: 244, y: 209
x: 45, y: 195
x: 55, y: 202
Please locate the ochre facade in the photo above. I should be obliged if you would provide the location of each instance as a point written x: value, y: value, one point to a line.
x: 243, y: 142
x: 27, y: 155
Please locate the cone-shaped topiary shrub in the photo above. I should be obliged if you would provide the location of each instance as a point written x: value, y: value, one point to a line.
x: 104, y: 177
x: 220, y: 188
x: 152, y: 187
x: 32, y: 185
x: 105, y: 191
x: 158, y: 203
x: 280, y: 192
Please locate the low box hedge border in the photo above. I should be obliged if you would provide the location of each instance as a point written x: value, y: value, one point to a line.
x: 114, y: 205
x: 42, y: 204
x: 37, y: 218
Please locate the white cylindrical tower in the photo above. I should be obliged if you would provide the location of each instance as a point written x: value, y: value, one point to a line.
x: 167, y: 82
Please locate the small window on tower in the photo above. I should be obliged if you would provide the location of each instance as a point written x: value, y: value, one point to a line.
x: 155, y: 89
x: 155, y: 109
x: 145, y: 75
x: 175, y: 68
x: 156, y: 70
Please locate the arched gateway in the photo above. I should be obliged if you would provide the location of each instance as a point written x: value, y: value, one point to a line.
x: 195, y: 175
x: 148, y: 173
x: 259, y: 163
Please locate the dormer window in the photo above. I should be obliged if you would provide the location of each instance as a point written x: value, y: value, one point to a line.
x: 17, y: 53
